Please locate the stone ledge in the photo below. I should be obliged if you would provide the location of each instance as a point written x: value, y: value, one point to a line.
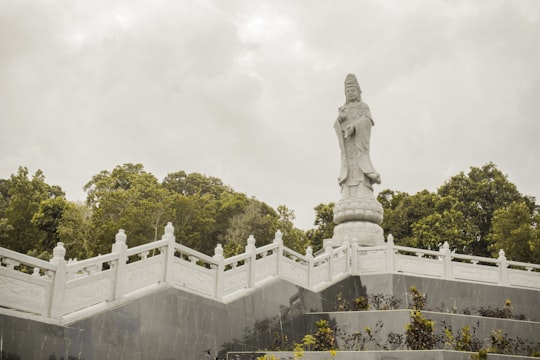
x: 371, y: 355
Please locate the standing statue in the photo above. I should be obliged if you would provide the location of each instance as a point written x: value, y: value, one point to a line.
x: 353, y: 128
x: 357, y: 214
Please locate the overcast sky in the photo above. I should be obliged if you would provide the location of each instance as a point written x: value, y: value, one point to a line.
x: 248, y: 91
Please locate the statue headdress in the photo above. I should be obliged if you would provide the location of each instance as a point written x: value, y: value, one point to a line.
x: 350, y: 80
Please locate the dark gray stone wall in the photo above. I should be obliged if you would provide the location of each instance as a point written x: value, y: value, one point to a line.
x: 173, y: 324
x: 444, y: 295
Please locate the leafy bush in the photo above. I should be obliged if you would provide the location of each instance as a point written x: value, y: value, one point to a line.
x: 420, y: 332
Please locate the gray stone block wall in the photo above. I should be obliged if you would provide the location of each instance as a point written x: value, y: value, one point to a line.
x: 173, y: 324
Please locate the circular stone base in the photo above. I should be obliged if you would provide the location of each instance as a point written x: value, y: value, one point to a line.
x: 359, y: 232
x: 358, y: 209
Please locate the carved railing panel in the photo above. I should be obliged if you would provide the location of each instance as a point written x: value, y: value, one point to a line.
x: 369, y: 261
x: 24, y: 292
x: 144, y: 273
x: 88, y: 291
x: 26, y: 282
x: 265, y: 268
x: 58, y: 288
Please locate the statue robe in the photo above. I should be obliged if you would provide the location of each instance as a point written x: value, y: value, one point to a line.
x: 355, y: 160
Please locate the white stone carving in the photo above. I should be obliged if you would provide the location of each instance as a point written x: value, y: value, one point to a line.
x: 140, y: 277
x: 23, y: 295
x: 235, y: 279
x: 87, y: 294
x: 83, y: 283
x: 189, y: 276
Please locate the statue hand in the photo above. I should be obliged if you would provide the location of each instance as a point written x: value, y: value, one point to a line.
x: 349, y: 130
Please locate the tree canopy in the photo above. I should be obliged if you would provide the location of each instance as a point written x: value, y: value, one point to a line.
x: 479, y: 213
x: 34, y: 216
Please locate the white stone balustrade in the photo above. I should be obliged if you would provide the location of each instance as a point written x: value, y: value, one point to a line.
x: 58, y: 290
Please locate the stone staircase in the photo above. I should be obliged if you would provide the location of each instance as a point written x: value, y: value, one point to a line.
x: 175, y: 324
x: 452, y: 305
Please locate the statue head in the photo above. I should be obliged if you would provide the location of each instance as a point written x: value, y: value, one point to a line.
x: 352, y: 89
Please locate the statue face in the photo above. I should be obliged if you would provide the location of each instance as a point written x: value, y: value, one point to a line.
x: 352, y: 93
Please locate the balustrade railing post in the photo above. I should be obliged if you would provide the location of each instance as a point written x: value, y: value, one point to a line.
x: 347, y: 256
x: 56, y: 305
x: 169, y: 253
x: 220, y: 271
x: 119, y: 248
x: 309, y: 258
x: 250, y: 249
x: 446, y: 255
x: 390, y: 253
x: 278, y: 240
x: 355, y: 268
x: 330, y: 252
x: 503, y: 268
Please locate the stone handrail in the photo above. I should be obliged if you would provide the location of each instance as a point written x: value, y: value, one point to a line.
x: 62, y: 291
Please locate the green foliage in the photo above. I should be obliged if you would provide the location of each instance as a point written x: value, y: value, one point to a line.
x: 324, y: 222
x: 127, y: 198
x: 20, y: 201
x: 47, y: 219
x: 502, y: 313
x: 257, y: 219
x: 367, y: 302
x: 465, y: 340
x: 359, y: 340
x: 34, y: 216
x: 402, y: 210
x: 418, y: 298
x: 323, y: 338
x: 75, y: 230
x: 477, y: 213
x: 420, y: 332
x: 293, y: 238
x: 515, y: 229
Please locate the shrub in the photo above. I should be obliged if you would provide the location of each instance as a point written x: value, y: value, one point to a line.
x: 324, y: 337
x: 418, y: 298
x: 420, y: 332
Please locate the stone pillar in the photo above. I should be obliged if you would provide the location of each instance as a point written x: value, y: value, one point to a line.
x: 56, y: 308
x: 169, y: 253
x: 119, y: 248
x: 220, y: 268
x: 278, y: 240
x: 250, y: 249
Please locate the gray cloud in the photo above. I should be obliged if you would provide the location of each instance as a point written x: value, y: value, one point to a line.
x: 248, y: 91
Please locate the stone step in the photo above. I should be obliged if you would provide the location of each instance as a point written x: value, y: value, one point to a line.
x: 370, y: 355
x: 382, y: 323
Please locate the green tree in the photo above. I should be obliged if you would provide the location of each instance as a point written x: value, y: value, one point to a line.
x: 127, y: 198
x: 194, y: 219
x: 47, y: 219
x: 21, y: 199
x: 293, y: 237
x: 477, y: 195
x: 257, y: 219
x: 402, y: 211
x: 204, y: 207
x: 75, y: 231
x: 460, y: 212
x: 195, y: 183
x: 515, y: 229
x: 451, y: 226
x: 324, y: 226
